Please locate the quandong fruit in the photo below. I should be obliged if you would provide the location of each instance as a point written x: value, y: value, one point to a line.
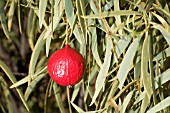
x: 66, y: 66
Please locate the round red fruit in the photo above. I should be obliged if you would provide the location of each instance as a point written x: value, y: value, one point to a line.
x: 66, y: 66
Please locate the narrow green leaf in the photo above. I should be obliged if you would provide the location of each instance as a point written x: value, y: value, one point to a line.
x: 76, y: 90
x: 161, y: 105
x: 145, y: 103
x: 35, y: 54
x: 56, y: 19
x: 112, y: 14
x: 127, y: 62
x: 13, y: 80
x: 126, y: 102
x: 7, y: 94
x: 122, y: 44
x: 20, y: 82
x: 80, y: 10
x: 48, y: 42
x: 42, y: 9
x: 93, y: 74
x: 107, y: 6
x: 162, y: 20
x: 144, y: 66
x: 32, y: 85
x: 94, y: 43
x: 11, y: 14
x: 3, y: 20
x: 78, y: 109
x: 117, y: 17
x: 164, y: 32
x: 19, y: 16
x: 70, y: 16
x: 103, y: 71
x: 25, y: 79
x: 58, y: 97
x: 159, y: 80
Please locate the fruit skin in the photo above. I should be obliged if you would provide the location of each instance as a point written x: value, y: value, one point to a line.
x: 66, y: 66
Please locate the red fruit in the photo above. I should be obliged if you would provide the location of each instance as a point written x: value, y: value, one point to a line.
x: 66, y: 66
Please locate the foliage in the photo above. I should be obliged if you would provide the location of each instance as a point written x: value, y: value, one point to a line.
x: 125, y: 43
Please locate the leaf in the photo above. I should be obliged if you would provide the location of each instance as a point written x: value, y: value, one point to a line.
x: 25, y: 79
x: 35, y: 54
x: 56, y: 19
x: 112, y: 14
x: 32, y: 85
x: 161, y: 105
x: 13, y: 80
x: 161, y: 19
x: 78, y: 109
x: 94, y: 43
x: 11, y: 14
x: 103, y: 71
x: 159, y: 80
x: 107, y: 6
x: 127, y: 62
x: 70, y: 16
x: 7, y: 94
x: 117, y: 17
x: 2, y: 19
x: 20, y: 82
x: 80, y: 10
x: 164, y: 32
x: 58, y: 98
x: 42, y: 9
x: 144, y: 66
x: 145, y: 103
x: 126, y: 102
x: 19, y: 16
x: 76, y: 90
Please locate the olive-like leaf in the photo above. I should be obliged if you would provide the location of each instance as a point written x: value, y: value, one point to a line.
x: 103, y: 71
x: 58, y: 98
x: 112, y: 14
x: 161, y: 105
x: 13, y: 80
x: 42, y: 9
x: 127, y: 62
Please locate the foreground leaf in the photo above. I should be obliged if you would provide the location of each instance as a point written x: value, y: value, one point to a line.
x: 13, y: 80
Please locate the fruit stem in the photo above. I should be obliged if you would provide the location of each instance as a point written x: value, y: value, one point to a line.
x: 66, y: 32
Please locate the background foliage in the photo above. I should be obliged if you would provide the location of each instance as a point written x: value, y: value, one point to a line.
x: 125, y: 44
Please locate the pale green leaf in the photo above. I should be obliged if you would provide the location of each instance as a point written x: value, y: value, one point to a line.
x: 159, y: 80
x: 70, y: 16
x: 103, y: 71
x: 94, y: 43
x: 80, y: 10
x: 32, y: 85
x: 164, y: 32
x: 144, y: 66
x: 35, y: 54
x: 112, y: 14
x: 126, y: 102
x: 11, y: 14
x: 3, y: 20
x: 161, y: 105
x: 42, y: 9
x: 20, y: 82
x: 78, y: 109
x: 58, y: 98
x: 145, y: 103
x: 13, y: 80
x: 76, y: 90
x: 127, y: 62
